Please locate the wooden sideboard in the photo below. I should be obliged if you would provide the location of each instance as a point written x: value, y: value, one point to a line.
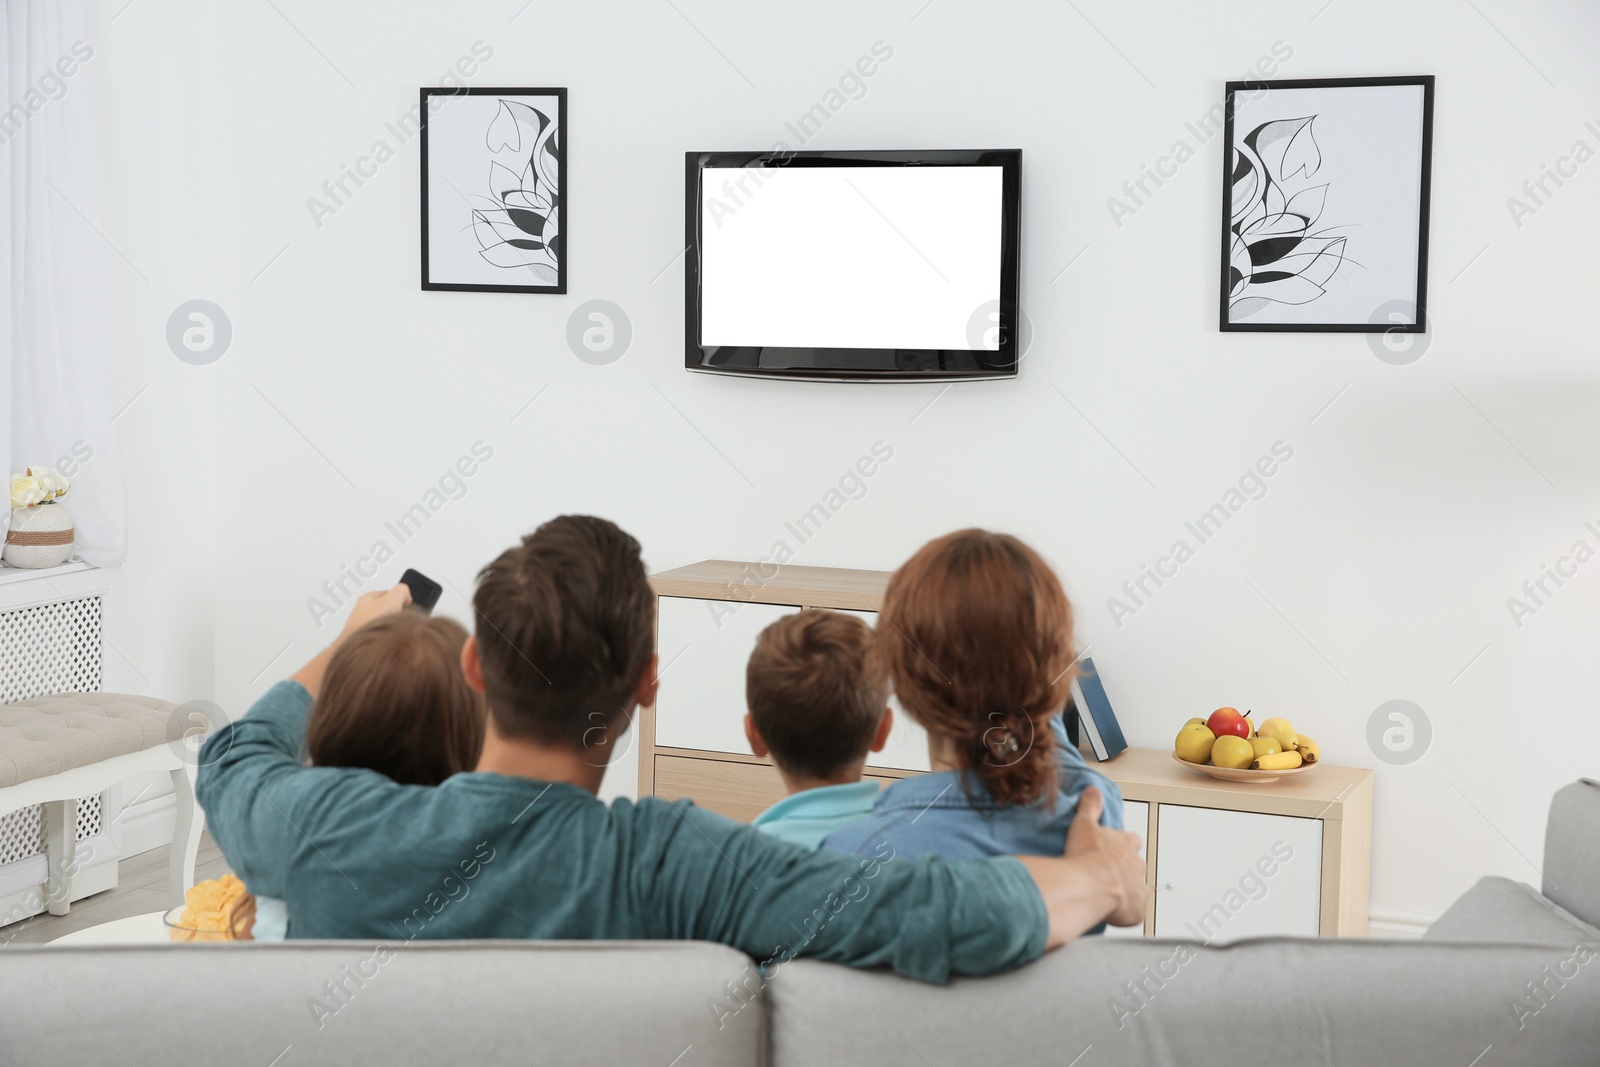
x: 692, y: 741
x: 1224, y: 860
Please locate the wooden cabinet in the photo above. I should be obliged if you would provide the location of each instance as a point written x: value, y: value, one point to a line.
x: 1224, y: 860
x: 1205, y: 835
x: 704, y: 645
x: 691, y: 743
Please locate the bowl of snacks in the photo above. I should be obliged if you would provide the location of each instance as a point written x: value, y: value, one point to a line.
x: 217, y: 909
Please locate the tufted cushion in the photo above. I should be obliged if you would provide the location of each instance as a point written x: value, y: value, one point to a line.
x: 51, y: 734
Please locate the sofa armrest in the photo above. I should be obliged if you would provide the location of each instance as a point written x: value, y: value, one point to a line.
x: 1498, y: 910
x: 1572, y: 850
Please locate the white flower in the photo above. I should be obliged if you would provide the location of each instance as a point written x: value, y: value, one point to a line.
x: 26, y: 491
x: 53, y: 484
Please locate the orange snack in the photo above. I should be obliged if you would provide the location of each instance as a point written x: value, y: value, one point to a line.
x: 218, y: 909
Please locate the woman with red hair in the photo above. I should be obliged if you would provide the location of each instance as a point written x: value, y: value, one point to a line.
x: 976, y: 634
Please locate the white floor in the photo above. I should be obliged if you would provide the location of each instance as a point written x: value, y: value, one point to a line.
x: 141, y: 888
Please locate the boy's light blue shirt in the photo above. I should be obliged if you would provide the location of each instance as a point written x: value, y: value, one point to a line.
x: 810, y: 815
x: 272, y: 919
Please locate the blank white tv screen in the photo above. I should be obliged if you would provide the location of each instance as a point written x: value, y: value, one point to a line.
x: 850, y: 257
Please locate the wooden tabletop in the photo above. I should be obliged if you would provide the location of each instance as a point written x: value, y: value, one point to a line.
x: 1151, y: 774
x: 772, y: 583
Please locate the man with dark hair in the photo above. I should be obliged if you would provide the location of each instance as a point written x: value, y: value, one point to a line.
x: 523, y: 848
x: 565, y: 630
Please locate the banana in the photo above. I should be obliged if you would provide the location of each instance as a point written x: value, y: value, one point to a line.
x: 1277, y: 761
x: 1308, y: 749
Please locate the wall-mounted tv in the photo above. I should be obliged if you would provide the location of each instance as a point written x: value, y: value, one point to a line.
x: 853, y: 266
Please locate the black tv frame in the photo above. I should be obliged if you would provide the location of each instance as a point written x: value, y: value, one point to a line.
x: 909, y: 364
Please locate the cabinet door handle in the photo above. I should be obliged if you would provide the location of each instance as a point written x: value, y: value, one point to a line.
x: 1169, y: 885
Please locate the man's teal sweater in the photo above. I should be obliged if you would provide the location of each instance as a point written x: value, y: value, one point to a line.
x: 489, y: 856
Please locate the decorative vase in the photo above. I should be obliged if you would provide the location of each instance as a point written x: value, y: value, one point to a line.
x: 40, y: 536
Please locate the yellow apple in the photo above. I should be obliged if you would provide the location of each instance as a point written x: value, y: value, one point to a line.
x: 1265, y: 746
x: 1194, y: 742
x: 1233, y: 752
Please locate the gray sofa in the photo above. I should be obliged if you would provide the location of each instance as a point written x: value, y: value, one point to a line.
x: 1507, y: 976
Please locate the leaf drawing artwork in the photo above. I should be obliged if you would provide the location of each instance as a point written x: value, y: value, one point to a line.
x: 1325, y: 204
x: 1275, y: 256
x: 494, y: 198
x: 522, y: 228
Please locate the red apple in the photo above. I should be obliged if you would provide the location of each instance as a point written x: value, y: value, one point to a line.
x: 1225, y: 721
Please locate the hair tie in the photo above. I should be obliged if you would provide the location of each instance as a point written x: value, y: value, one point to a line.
x: 1004, y: 744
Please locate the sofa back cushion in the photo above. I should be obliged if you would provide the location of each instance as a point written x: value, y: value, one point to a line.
x: 1103, y: 1002
x: 436, y: 1002
x: 1572, y: 850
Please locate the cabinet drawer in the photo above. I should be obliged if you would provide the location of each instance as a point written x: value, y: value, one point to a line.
x: 704, y: 646
x: 738, y: 790
x: 1225, y: 875
x: 1136, y: 817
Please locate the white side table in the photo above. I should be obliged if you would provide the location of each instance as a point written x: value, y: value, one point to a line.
x: 147, y: 929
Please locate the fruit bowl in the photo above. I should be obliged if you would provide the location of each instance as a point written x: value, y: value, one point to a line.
x: 1244, y: 774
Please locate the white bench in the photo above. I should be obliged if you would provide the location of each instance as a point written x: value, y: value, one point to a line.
x: 54, y: 749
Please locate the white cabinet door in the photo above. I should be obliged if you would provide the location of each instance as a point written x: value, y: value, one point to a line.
x: 1136, y: 817
x: 704, y: 647
x: 1226, y: 875
x: 908, y: 743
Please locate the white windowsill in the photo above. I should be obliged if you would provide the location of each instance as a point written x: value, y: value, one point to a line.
x: 10, y: 574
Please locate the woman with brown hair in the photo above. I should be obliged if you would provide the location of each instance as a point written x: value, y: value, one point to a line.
x: 976, y: 634
x: 393, y: 701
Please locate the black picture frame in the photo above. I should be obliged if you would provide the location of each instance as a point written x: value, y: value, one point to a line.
x: 559, y: 209
x: 851, y: 364
x: 1227, y: 281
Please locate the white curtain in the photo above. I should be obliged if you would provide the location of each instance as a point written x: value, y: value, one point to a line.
x: 55, y: 319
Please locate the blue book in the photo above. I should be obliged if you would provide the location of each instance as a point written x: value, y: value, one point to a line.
x: 1099, y: 722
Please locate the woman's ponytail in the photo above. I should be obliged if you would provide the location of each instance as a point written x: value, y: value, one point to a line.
x: 977, y: 636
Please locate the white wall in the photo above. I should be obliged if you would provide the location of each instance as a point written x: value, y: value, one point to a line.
x: 150, y: 77
x: 1377, y: 566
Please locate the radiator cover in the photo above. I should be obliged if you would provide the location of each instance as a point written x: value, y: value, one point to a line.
x: 48, y: 648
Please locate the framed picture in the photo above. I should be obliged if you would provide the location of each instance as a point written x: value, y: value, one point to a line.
x: 494, y: 183
x: 1325, y: 205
